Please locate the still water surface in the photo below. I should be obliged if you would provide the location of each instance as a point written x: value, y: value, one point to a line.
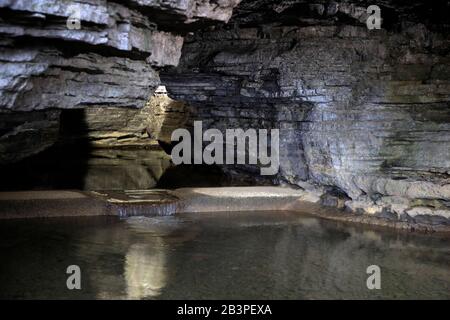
x: 259, y: 255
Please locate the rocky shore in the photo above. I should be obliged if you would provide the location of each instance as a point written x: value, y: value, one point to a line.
x: 45, y: 204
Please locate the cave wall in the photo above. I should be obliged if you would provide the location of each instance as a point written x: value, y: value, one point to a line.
x: 112, y: 59
x: 363, y: 112
x: 364, y: 115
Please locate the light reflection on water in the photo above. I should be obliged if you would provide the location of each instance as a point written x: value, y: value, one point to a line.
x: 222, y: 255
x: 145, y: 271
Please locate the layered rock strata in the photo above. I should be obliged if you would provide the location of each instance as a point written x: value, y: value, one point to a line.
x: 92, y: 53
x: 363, y: 114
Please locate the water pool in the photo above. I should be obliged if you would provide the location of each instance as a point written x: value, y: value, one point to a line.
x: 253, y: 255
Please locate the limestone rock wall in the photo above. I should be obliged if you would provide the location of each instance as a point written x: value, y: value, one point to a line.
x: 364, y: 116
x: 57, y: 54
x: 110, y: 127
x: 363, y: 113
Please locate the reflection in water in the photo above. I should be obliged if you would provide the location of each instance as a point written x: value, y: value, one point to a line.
x: 221, y: 255
x: 145, y: 270
x: 146, y: 263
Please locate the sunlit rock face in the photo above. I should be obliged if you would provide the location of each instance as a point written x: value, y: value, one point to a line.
x: 57, y: 54
x: 362, y: 112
